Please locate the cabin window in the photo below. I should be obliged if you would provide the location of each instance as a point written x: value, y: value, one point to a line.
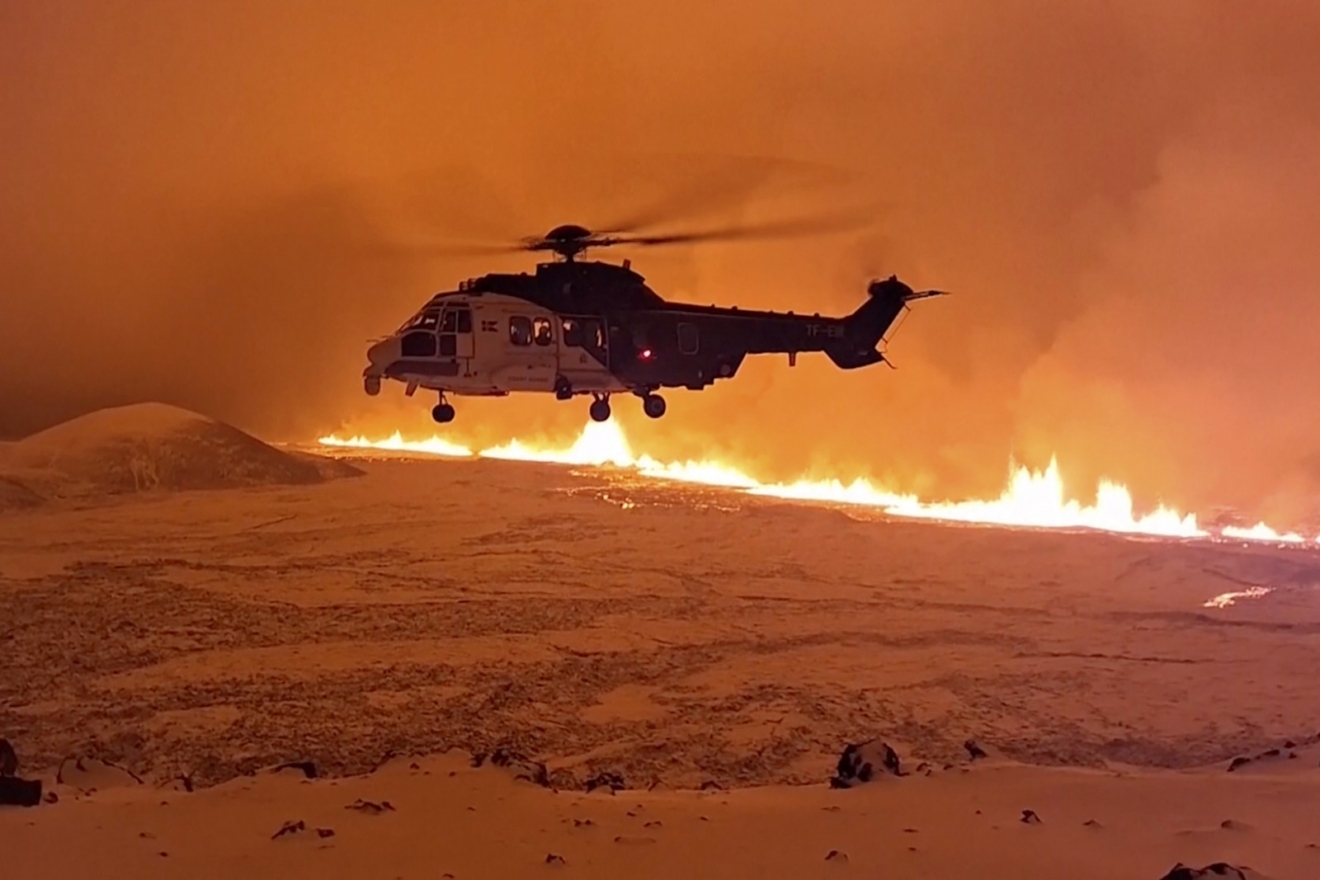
x: 464, y: 321
x: 572, y: 332
x: 689, y: 340
x: 520, y: 330
x: 418, y: 344
x: 542, y: 331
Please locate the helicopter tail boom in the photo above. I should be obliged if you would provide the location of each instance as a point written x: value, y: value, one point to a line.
x: 865, y: 328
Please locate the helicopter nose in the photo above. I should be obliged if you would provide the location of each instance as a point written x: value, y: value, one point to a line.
x: 383, y: 353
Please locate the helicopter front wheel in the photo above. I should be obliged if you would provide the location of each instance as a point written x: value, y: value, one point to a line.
x: 600, y: 409
x: 443, y: 413
x: 653, y: 405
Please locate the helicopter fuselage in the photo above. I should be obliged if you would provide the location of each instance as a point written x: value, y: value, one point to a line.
x: 595, y: 328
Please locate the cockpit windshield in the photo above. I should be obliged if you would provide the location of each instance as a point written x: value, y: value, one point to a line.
x: 427, y: 319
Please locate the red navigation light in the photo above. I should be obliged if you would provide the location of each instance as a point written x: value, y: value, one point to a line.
x: 645, y: 354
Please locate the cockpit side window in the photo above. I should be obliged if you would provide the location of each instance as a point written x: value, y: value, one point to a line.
x: 465, y: 321
x: 520, y: 330
x: 542, y: 331
x: 449, y: 323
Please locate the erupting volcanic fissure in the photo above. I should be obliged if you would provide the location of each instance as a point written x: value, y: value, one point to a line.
x: 1032, y: 499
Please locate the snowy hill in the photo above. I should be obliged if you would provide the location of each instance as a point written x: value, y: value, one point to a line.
x: 148, y: 447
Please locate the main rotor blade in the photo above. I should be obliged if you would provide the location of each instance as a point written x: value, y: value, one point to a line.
x: 433, y: 248
x: 778, y: 229
x: 731, y: 184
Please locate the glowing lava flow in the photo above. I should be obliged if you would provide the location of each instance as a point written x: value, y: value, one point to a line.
x: 1033, y: 499
x: 396, y: 443
x: 1262, y: 532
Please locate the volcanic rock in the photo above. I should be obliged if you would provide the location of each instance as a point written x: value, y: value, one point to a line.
x: 863, y: 762
x: 371, y: 807
x: 1239, y: 761
x: 607, y: 779
x: 518, y: 766
x: 561, y: 779
x: 290, y: 827
x: 974, y: 750
x: 20, y: 792
x: 90, y: 774
x: 8, y: 759
x: 1029, y: 817
x: 306, y: 768
x: 1217, y: 870
x: 837, y: 857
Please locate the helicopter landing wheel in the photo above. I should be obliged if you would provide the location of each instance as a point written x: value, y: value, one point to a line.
x: 371, y: 384
x: 653, y: 405
x: 600, y: 409
x: 443, y: 413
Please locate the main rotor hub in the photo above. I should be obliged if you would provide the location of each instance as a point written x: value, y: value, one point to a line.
x: 567, y: 240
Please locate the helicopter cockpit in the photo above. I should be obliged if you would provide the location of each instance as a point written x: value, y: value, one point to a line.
x: 426, y: 319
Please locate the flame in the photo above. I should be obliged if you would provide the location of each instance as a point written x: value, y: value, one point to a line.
x: 1262, y: 532
x: 396, y: 443
x: 1031, y: 499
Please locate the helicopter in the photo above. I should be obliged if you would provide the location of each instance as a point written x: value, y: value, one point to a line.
x: 587, y: 327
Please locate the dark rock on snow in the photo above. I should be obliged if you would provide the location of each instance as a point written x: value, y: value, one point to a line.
x: 308, y: 769
x: 8, y: 759
x: 14, y: 791
x: 371, y: 807
x: 863, y: 762
x: 1218, y: 869
x: 608, y: 779
x: 520, y: 766
x: 290, y: 827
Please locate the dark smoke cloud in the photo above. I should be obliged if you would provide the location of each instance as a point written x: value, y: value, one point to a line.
x: 218, y: 204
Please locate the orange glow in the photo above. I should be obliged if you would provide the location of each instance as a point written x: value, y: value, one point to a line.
x: 1031, y: 499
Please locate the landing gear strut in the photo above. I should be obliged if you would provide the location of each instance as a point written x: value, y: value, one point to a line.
x: 600, y: 408
x: 653, y: 405
x: 442, y: 412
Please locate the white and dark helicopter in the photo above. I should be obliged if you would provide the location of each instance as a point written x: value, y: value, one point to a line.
x: 594, y: 328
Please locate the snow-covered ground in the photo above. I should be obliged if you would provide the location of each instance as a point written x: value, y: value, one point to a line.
x: 676, y: 635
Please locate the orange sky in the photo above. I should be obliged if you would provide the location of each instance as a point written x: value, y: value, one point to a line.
x: 1124, y: 196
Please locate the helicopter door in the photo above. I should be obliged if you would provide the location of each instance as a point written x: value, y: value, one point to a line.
x: 587, y: 335
x: 456, y: 333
